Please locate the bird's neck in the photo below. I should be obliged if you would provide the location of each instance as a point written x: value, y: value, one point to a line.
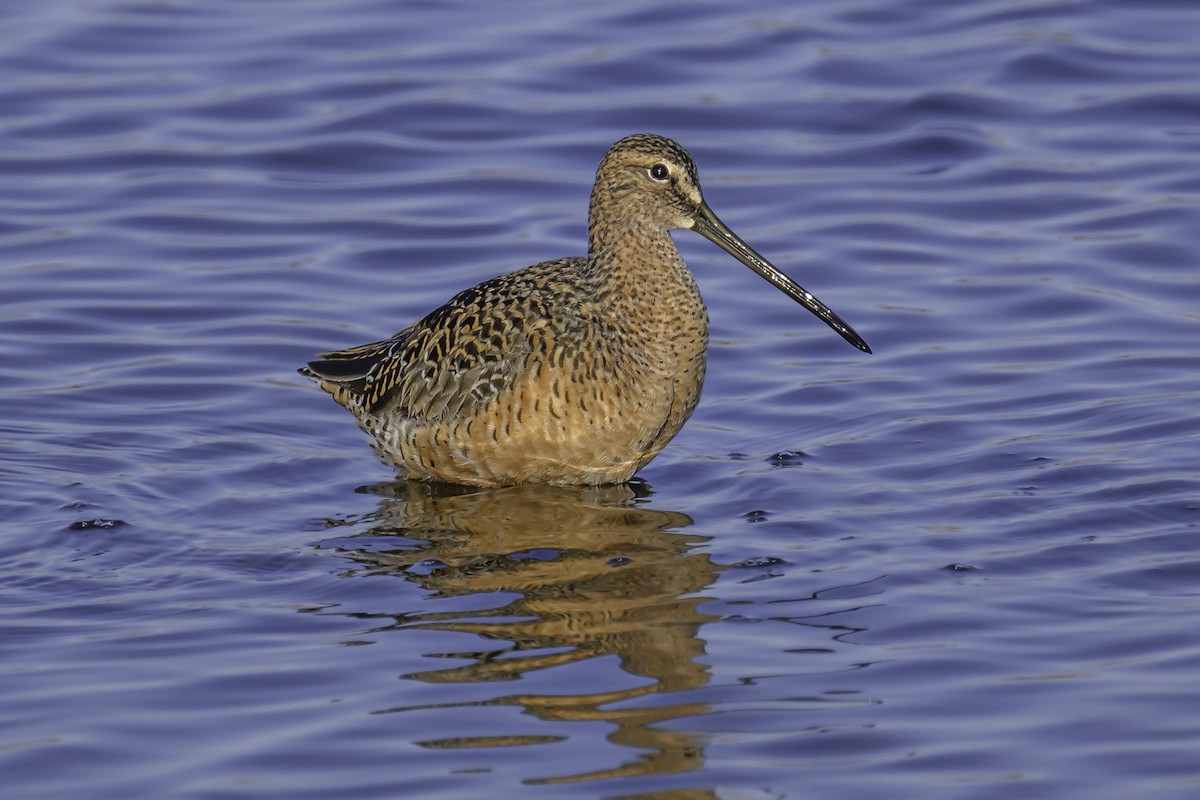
x: 644, y: 288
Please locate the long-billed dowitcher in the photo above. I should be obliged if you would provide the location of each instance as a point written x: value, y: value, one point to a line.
x: 572, y: 371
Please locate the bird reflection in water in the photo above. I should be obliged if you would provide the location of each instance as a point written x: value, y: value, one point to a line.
x: 596, y: 573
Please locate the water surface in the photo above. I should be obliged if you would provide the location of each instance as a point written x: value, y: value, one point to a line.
x: 963, y: 567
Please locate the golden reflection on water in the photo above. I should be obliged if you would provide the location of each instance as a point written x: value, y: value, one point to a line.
x: 597, y: 573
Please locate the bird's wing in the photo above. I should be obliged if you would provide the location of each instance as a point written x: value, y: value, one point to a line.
x: 456, y: 358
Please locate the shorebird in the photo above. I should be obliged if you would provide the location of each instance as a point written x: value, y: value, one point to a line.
x: 572, y: 371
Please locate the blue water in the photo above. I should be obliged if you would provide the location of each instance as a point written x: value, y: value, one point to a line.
x: 964, y: 567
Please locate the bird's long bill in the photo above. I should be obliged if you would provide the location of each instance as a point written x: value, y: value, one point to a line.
x: 710, y: 227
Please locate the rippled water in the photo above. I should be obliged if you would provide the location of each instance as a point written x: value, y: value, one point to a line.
x: 963, y: 567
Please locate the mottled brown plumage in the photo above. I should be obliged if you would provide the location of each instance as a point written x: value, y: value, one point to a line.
x: 573, y: 371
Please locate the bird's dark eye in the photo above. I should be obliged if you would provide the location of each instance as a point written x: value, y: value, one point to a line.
x: 659, y: 172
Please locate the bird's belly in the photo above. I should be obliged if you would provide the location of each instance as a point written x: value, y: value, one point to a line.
x: 547, y: 429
